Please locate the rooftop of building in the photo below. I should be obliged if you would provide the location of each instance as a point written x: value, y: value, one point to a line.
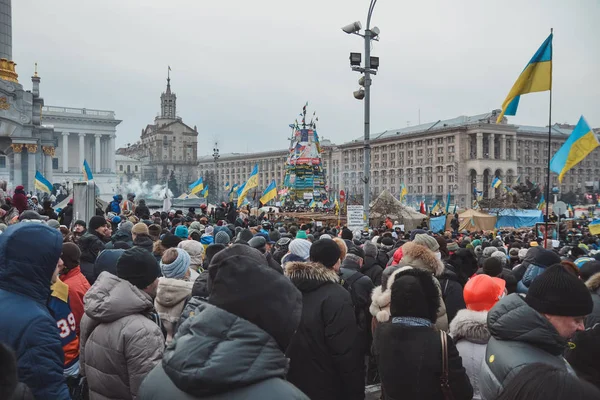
x: 122, y: 158
x: 56, y: 111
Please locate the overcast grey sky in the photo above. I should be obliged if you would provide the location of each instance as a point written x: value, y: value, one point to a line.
x: 242, y: 70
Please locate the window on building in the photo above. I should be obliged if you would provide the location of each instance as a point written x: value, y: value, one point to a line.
x: 440, y: 189
x: 429, y: 189
x: 136, y: 168
x: 121, y: 168
x: 55, y: 163
x: 440, y: 160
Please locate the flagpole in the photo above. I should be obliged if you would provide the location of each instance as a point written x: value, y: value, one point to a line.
x: 549, y: 147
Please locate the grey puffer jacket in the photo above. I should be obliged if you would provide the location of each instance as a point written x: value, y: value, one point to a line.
x: 119, y: 342
x: 171, y: 297
x: 520, y: 336
x: 470, y: 334
x: 218, y: 355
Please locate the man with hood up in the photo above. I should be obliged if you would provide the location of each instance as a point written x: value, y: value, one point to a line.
x: 25, y: 321
x: 232, y: 347
x: 142, y: 210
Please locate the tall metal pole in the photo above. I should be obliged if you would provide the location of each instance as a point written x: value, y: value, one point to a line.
x: 549, y: 152
x: 367, y: 141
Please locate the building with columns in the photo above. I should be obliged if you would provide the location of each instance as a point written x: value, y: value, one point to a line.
x: 82, y: 134
x: 51, y: 140
x: 433, y: 159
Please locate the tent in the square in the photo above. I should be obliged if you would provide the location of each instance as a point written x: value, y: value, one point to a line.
x: 473, y: 220
x: 386, y: 205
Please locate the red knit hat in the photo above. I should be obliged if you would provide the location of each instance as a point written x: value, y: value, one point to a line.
x: 482, y: 292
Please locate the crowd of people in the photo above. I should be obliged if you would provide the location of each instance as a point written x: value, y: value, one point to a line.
x: 138, y: 305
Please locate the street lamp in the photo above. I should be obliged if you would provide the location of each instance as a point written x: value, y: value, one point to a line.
x: 364, y: 92
x: 216, y: 158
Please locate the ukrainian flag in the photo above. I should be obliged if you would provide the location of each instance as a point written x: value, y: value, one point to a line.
x: 270, y: 193
x: 252, y: 182
x: 542, y: 204
x: 496, y: 183
x: 87, y: 171
x: 41, y: 183
x: 580, y: 143
x: 312, y: 204
x: 594, y: 227
x: 403, y: 192
x: 204, y: 192
x: 435, y: 206
x: 227, y: 186
x: 536, y: 77
x: 196, y: 186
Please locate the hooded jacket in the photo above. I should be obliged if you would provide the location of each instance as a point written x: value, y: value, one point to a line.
x: 144, y: 241
x: 218, y: 355
x: 324, y: 362
x: 19, y: 199
x: 65, y: 217
x: 142, y: 209
x: 26, y: 325
x: 171, y: 297
x: 120, y: 236
x: 452, y: 291
x: 373, y: 269
x: 78, y: 287
x: 519, y: 336
x: 90, y: 245
x: 593, y: 284
x: 470, y: 334
x: 419, y: 256
x: 120, y: 343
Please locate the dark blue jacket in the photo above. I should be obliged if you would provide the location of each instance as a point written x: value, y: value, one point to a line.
x: 29, y: 252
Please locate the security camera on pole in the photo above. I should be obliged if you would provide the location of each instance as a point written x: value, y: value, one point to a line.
x: 371, y: 66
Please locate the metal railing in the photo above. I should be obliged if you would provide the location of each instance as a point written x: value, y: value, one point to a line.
x: 79, y: 111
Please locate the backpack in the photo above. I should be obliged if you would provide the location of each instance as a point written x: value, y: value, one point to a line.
x: 114, y: 207
x: 348, y: 284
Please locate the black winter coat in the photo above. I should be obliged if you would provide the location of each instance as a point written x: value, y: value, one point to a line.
x: 142, y: 210
x: 373, y: 269
x: 65, y: 217
x: 452, y: 292
x: 144, y: 241
x: 324, y: 363
x: 410, y: 364
x: 90, y: 245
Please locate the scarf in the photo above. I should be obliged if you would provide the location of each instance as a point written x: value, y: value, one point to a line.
x: 412, y: 321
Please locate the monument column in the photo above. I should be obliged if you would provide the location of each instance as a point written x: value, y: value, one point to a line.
x: 491, y: 146
x: 503, y: 147
x: 31, y: 150
x: 65, y: 152
x: 48, y: 155
x: 97, y: 162
x: 81, y: 149
x: 17, y: 148
x: 479, y: 145
x: 111, y: 154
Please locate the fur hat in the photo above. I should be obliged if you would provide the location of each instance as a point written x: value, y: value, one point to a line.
x: 488, y: 251
x: 414, y: 294
x: 501, y: 257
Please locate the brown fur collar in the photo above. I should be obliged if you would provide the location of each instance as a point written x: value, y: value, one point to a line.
x: 298, y: 271
x: 419, y: 256
x: 470, y: 325
x: 593, y: 284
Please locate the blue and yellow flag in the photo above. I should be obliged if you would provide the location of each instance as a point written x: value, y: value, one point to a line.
x: 403, y: 192
x: 252, y: 182
x: 542, y: 204
x: 496, y: 183
x: 594, y: 227
x: 42, y: 184
x: 536, y: 77
x: 312, y: 204
x: 435, y: 206
x: 87, y: 171
x: 196, y: 186
x: 270, y: 193
x: 448, y: 203
x: 580, y: 143
x: 227, y: 185
x: 204, y: 192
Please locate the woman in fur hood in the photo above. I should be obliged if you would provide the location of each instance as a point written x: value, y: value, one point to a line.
x: 469, y: 328
x: 414, y: 255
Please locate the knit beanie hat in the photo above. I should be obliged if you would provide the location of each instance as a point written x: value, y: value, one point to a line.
x: 154, y: 231
x: 126, y: 226
x: 259, y: 243
x: 195, y: 227
x: 387, y: 241
x: 453, y: 246
x: 170, y: 240
x: 300, y: 248
x: 476, y: 242
x: 427, y: 241
x: 70, y: 255
x: 500, y: 256
x: 209, y: 230
x: 416, y: 232
x: 346, y: 234
x: 96, y: 222
x: 181, y: 232
x: 138, y: 266
x: 140, y: 228
x: 325, y: 251
x: 558, y: 292
x: 513, y: 253
x: 80, y: 223
x: 370, y: 249
x: 325, y: 236
x: 492, y: 266
x: 52, y: 223
x: 522, y: 254
x: 414, y: 294
x: 301, y: 235
x: 588, y: 269
x: 195, y: 250
x: 244, y: 236
x: 478, y: 251
x: 274, y: 236
x: 178, y: 268
x: 545, y: 258
x: 482, y: 292
x: 488, y: 251
x: 222, y: 237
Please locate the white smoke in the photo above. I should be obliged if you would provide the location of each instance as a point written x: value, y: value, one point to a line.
x: 143, y: 190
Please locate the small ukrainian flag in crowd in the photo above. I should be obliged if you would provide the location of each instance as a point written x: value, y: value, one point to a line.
x: 594, y: 227
x: 196, y: 186
x: 87, y: 171
x: 227, y: 186
x: 270, y: 193
x: 204, y: 192
x: 542, y: 204
x: 41, y: 183
x: 496, y: 183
